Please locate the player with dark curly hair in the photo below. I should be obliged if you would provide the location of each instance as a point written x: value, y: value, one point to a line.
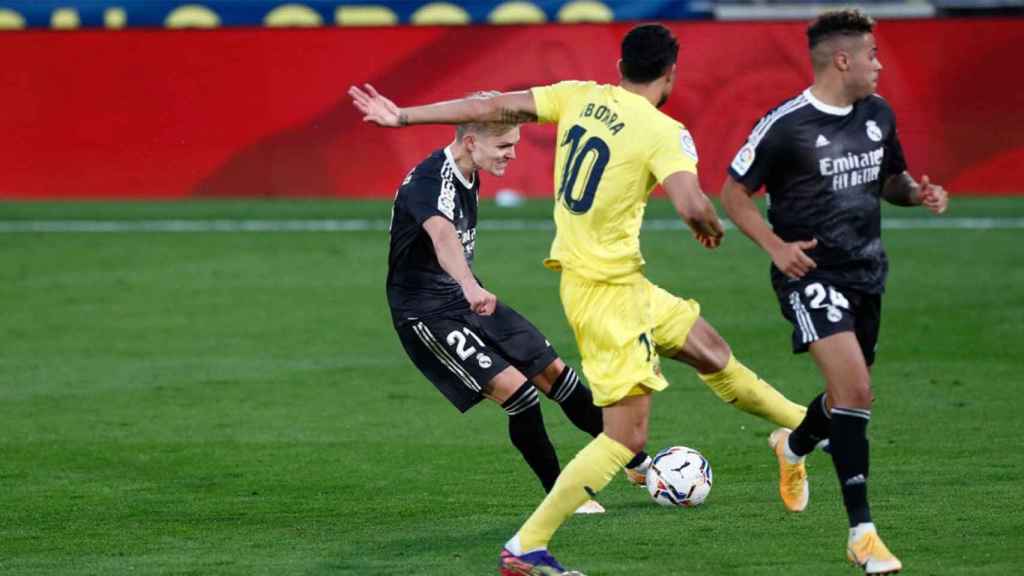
x: 614, y: 145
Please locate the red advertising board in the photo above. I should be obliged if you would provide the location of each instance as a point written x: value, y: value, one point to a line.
x: 263, y: 112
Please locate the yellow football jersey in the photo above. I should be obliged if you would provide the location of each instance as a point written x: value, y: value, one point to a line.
x: 613, y: 147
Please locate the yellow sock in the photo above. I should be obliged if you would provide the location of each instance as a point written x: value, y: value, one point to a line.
x: 736, y: 384
x: 590, y: 471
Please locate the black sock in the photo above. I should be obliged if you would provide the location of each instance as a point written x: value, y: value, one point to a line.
x: 578, y: 404
x: 815, y: 427
x: 526, y: 429
x: 850, y: 455
x: 637, y: 460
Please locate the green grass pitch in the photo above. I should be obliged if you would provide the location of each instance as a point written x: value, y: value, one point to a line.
x: 236, y: 403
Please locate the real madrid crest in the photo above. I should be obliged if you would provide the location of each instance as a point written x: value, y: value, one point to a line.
x: 834, y: 315
x: 874, y: 132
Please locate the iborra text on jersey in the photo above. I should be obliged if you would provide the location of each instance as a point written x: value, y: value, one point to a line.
x: 603, y: 114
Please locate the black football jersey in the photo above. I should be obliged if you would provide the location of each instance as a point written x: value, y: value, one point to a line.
x: 823, y: 168
x: 417, y: 286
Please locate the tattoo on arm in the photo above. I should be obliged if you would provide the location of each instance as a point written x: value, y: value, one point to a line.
x: 403, y: 118
x: 901, y: 190
x: 510, y: 116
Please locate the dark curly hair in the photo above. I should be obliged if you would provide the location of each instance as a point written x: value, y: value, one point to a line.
x: 838, y: 23
x: 648, y: 51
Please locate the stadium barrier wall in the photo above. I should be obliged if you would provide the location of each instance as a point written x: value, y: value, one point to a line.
x: 261, y: 112
x: 71, y: 14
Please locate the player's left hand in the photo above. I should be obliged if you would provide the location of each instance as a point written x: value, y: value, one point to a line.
x: 709, y: 241
x: 933, y: 196
x: 481, y: 301
x: 709, y: 232
x: 377, y: 108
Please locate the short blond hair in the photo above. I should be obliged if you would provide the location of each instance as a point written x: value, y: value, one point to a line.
x: 487, y: 128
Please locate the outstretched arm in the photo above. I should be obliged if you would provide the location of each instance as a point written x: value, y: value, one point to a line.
x: 694, y: 208
x: 453, y: 260
x: 788, y: 257
x: 901, y: 190
x: 507, y: 108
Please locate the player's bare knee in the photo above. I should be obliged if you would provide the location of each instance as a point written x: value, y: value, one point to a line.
x: 863, y: 396
x: 705, y: 349
x: 546, y: 379
x: 853, y: 394
x: 504, y: 385
x: 710, y: 357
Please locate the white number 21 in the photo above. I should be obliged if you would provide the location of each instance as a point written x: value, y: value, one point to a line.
x: 458, y: 340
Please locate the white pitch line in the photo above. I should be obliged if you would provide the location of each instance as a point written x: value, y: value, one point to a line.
x: 102, y: 226
x: 361, y: 225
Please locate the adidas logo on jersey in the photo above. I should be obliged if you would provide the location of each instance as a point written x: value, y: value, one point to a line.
x: 821, y: 141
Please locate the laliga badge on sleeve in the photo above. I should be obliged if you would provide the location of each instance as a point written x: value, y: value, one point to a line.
x: 689, y: 146
x: 744, y: 159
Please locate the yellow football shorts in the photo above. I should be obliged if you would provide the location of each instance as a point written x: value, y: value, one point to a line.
x: 621, y: 329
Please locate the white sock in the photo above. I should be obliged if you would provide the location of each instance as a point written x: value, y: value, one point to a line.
x: 860, y: 529
x: 514, y: 546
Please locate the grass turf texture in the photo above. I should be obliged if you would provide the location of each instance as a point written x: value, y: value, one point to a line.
x: 237, y: 403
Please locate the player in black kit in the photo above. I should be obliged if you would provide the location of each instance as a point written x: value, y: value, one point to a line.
x: 827, y: 158
x: 456, y: 332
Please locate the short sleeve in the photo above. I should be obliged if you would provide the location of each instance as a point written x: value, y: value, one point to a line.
x: 895, y: 163
x: 424, y: 197
x: 675, y: 152
x: 551, y: 100
x: 752, y: 163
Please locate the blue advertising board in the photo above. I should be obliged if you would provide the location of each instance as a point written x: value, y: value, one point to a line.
x: 70, y: 14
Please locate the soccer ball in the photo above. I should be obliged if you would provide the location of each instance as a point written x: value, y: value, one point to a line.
x: 679, y: 476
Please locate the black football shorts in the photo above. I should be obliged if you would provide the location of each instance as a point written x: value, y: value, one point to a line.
x: 461, y: 352
x: 818, y: 309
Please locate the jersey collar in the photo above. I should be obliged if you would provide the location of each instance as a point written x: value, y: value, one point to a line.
x: 621, y: 93
x: 827, y: 109
x: 455, y: 168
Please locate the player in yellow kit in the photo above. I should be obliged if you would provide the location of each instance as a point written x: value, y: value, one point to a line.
x: 613, y: 147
